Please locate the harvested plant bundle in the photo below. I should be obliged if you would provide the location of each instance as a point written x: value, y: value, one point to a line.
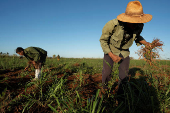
x: 149, y: 54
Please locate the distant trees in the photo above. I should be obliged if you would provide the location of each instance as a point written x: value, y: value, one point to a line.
x: 54, y: 56
x: 4, y: 54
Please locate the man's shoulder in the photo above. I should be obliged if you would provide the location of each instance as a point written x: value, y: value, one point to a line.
x: 110, y: 25
x: 114, y: 21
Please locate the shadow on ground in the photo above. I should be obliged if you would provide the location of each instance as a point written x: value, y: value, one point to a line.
x: 134, y: 95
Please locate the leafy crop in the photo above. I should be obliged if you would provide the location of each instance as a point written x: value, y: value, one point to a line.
x: 73, y: 85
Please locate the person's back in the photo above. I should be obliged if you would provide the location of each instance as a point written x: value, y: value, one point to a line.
x: 40, y: 50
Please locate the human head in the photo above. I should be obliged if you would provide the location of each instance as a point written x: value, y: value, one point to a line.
x: 131, y: 25
x: 134, y: 14
x: 20, y: 51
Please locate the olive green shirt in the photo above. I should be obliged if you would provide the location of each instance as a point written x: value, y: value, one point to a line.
x: 113, y: 38
x: 34, y: 53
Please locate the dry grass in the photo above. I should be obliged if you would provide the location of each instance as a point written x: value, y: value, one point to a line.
x: 150, y: 54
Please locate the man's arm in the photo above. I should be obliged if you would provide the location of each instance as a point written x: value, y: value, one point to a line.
x: 104, y: 39
x: 145, y: 43
x: 28, y: 65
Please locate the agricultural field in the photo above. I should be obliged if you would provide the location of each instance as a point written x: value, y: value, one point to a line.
x: 72, y: 85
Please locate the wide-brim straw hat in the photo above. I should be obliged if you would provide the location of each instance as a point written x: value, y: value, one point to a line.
x: 134, y: 14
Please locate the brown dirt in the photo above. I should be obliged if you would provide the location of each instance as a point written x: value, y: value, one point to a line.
x: 89, y: 86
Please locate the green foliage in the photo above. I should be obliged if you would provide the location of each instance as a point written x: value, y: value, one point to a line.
x: 12, y: 62
x: 147, y: 91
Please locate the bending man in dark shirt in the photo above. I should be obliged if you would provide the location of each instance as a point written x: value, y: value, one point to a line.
x: 36, y: 56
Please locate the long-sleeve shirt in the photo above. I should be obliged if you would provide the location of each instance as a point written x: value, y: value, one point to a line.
x: 113, y: 38
x: 34, y: 53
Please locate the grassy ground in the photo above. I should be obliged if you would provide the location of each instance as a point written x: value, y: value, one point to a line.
x: 74, y: 85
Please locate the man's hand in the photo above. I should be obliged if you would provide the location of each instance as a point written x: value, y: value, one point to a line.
x: 115, y: 58
x: 26, y: 68
x: 146, y: 43
x: 33, y: 62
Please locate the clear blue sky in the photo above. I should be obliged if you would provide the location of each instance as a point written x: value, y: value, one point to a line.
x: 72, y: 28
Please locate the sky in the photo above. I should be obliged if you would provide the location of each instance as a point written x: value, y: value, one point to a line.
x: 72, y: 28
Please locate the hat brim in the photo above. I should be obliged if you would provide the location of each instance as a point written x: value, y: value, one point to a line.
x: 134, y: 19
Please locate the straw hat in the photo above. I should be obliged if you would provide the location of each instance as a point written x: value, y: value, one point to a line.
x: 134, y: 14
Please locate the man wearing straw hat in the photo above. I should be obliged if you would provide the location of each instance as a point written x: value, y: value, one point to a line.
x: 118, y: 35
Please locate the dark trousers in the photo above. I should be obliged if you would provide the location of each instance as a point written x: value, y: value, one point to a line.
x: 43, y: 58
x: 107, y: 70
